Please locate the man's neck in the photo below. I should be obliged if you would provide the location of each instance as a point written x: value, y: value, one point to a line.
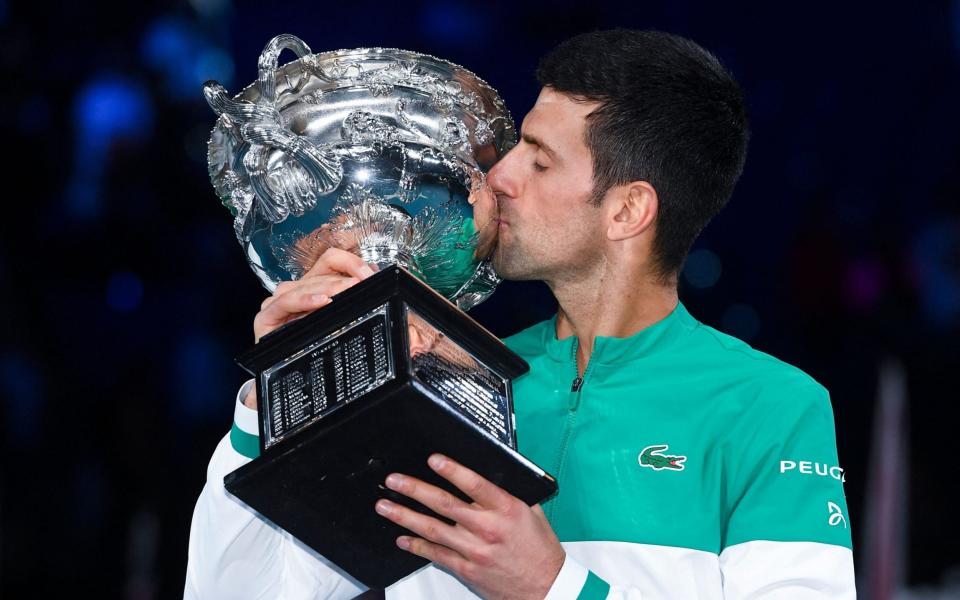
x: 609, y: 305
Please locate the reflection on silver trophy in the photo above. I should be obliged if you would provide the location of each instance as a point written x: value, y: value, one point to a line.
x: 378, y: 151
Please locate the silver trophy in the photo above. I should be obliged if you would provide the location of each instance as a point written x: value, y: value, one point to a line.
x: 381, y: 152
x: 378, y: 151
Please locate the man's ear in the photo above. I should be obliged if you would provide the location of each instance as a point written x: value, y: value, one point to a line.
x: 632, y: 210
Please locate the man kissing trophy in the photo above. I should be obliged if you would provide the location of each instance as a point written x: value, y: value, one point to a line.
x: 382, y: 153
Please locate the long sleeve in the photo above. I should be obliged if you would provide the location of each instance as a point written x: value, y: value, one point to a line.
x: 752, y: 570
x: 786, y: 533
x: 788, y: 570
x: 235, y: 553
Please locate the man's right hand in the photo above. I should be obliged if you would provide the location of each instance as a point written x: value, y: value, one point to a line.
x: 335, y: 271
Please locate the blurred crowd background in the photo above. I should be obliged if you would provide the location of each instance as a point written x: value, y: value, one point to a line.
x: 126, y: 296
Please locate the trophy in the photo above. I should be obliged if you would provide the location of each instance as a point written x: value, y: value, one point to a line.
x: 381, y: 152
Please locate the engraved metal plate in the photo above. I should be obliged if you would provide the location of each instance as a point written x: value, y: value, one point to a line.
x: 475, y: 390
x: 327, y: 374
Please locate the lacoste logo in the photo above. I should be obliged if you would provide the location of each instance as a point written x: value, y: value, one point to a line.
x: 652, y: 457
x: 836, y: 515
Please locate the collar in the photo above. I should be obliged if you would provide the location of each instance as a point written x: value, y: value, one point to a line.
x: 613, y: 350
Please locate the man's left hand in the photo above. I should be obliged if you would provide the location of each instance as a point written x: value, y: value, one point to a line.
x: 497, y: 545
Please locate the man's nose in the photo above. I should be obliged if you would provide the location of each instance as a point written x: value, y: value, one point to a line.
x: 500, y: 178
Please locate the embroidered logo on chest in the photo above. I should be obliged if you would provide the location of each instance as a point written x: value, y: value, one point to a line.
x: 654, y: 457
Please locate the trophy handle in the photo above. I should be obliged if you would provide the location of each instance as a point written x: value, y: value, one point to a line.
x: 265, y: 108
x: 282, y: 190
x: 267, y: 64
x: 238, y: 112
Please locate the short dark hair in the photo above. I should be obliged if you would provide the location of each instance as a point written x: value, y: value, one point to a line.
x: 670, y: 115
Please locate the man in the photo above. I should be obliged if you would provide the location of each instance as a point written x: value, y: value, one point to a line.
x: 690, y: 465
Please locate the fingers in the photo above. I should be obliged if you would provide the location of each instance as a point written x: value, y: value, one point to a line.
x: 331, y: 285
x: 335, y: 260
x: 427, y: 527
x: 285, y: 286
x: 293, y: 299
x: 277, y: 310
x: 436, y: 499
x: 470, y: 483
x: 304, y: 297
x: 265, y: 322
x: 435, y: 553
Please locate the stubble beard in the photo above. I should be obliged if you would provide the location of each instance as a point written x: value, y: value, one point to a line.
x: 507, y: 263
x: 541, y: 257
x: 518, y: 261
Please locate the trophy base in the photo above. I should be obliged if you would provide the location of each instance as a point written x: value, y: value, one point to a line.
x: 373, y: 399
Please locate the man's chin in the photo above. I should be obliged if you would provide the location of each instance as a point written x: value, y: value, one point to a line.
x: 500, y: 265
x: 509, y: 269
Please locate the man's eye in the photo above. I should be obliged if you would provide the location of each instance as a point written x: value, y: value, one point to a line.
x: 539, y: 168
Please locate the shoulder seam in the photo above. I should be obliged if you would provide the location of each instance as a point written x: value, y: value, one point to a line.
x: 761, y: 356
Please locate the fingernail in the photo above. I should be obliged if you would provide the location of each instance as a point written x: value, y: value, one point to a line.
x: 436, y: 461
x: 394, y: 481
x: 366, y: 271
x: 318, y: 298
x: 403, y: 543
x: 383, y: 507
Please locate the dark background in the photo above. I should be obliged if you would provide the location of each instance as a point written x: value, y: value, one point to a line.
x: 126, y: 296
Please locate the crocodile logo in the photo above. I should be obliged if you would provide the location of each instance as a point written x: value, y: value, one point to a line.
x: 652, y: 457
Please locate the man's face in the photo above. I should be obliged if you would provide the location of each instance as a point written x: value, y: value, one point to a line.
x: 548, y: 228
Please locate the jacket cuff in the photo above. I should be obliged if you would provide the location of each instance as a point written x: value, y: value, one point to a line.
x: 245, y: 433
x: 576, y: 582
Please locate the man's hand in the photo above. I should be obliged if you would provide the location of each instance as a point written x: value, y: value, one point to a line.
x: 499, y: 546
x: 334, y: 271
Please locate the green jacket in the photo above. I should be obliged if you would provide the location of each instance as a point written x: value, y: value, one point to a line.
x: 690, y: 466
x: 681, y: 441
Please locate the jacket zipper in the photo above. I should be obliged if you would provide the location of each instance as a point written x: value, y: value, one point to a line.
x: 573, y: 403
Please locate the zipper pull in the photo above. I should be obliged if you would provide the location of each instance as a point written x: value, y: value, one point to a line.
x: 577, y: 383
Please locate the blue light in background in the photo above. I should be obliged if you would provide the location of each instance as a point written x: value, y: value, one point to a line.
x: 108, y: 108
x: 22, y: 388
x: 741, y: 321
x: 200, y: 374
x: 34, y: 114
x: 184, y: 57
x: 934, y: 258
x: 702, y: 269
x: 83, y: 195
x: 210, y: 8
x: 454, y: 23
x: 124, y: 292
x: 956, y: 27
x: 166, y: 41
x: 212, y: 63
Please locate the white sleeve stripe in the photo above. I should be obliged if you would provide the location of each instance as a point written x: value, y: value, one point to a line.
x: 570, y: 580
x: 244, y: 417
x: 795, y: 570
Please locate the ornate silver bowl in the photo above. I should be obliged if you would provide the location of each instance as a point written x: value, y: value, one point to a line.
x: 379, y: 151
